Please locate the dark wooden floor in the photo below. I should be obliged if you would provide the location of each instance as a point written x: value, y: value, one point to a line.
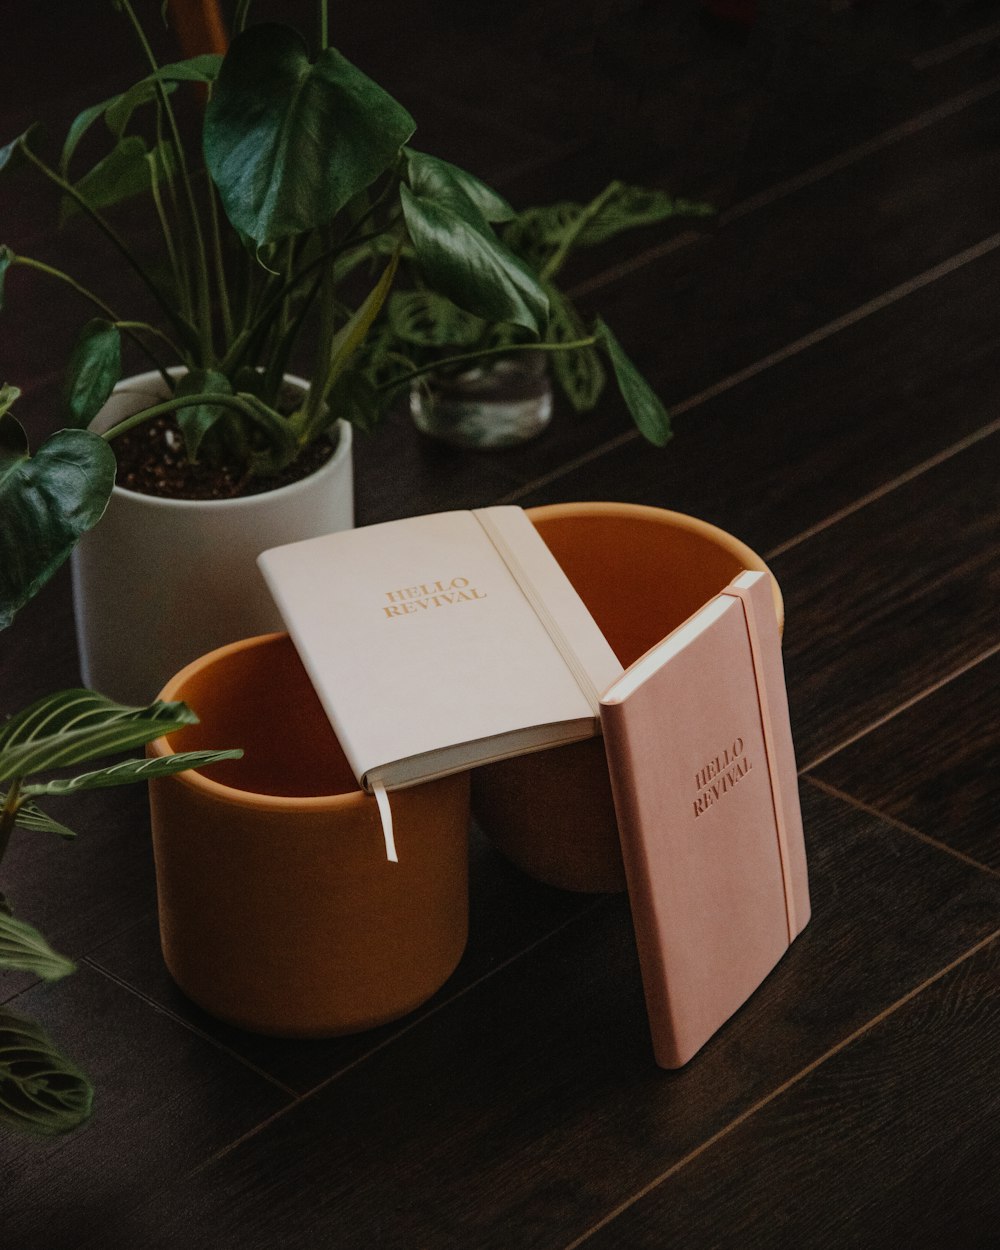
x: 831, y: 345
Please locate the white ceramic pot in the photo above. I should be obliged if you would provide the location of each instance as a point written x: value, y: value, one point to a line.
x: 159, y: 582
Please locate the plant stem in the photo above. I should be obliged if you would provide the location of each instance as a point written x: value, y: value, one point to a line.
x: 220, y: 263
x: 558, y: 257
x: 201, y: 269
x: 181, y: 265
x: 245, y: 405
x: 324, y: 26
x: 112, y: 236
x: 128, y: 326
x: 168, y: 238
x: 507, y: 350
x: 327, y: 328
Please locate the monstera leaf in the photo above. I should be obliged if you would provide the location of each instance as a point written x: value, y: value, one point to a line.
x: 447, y: 184
x: 46, y: 502
x: 289, y: 141
x: 472, y: 267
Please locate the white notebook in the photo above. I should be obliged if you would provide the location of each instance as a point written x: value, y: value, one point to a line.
x: 441, y: 642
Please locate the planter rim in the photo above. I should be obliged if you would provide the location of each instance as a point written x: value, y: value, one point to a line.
x: 678, y: 520
x: 317, y: 803
x: 329, y: 467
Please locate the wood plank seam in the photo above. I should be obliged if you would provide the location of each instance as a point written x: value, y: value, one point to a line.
x: 407, y: 1027
x: 165, y: 1011
x: 929, y: 276
x: 948, y: 51
x: 783, y: 1088
x: 933, y: 688
x: 871, y: 810
x: 772, y: 195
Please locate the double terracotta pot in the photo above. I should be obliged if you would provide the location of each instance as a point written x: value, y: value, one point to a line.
x: 279, y: 911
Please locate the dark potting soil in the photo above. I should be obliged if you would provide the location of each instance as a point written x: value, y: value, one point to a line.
x: 151, y: 461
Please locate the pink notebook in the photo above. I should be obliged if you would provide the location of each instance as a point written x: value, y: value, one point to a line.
x: 703, y: 774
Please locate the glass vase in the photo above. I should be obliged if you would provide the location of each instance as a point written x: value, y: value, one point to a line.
x: 500, y: 403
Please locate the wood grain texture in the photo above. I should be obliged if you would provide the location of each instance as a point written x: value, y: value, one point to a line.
x: 509, y: 913
x: 800, y: 1172
x: 891, y: 599
x: 532, y: 1106
x: 850, y: 147
x: 934, y: 765
x: 788, y: 448
x: 164, y: 1100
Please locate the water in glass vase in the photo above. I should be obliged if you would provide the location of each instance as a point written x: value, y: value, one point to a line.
x: 496, y: 404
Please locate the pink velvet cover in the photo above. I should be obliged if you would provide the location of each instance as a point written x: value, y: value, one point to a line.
x: 703, y: 774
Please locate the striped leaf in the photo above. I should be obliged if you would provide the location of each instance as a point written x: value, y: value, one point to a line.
x: 31, y: 817
x: 41, y: 1091
x: 23, y: 949
x: 428, y: 319
x: 71, y: 726
x: 649, y: 415
x: 128, y: 771
x: 578, y: 370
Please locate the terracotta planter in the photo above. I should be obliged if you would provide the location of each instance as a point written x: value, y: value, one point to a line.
x: 642, y: 572
x: 278, y: 909
x: 161, y: 581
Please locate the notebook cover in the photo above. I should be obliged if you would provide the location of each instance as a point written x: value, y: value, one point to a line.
x: 442, y: 641
x: 703, y: 774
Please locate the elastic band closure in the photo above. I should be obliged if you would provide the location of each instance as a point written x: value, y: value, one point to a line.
x: 385, y: 812
x: 772, y: 760
x: 551, y: 626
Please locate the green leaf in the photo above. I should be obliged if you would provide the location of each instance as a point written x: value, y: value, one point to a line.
x: 72, y: 726
x: 79, y: 127
x: 475, y: 270
x: 197, y: 419
x: 428, y: 319
x: 6, y: 260
x: 352, y: 334
x: 447, y: 184
x: 536, y: 233
x: 8, y: 395
x: 11, y: 154
x: 648, y: 413
x: 46, y: 502
x: 118, y: 111
x: 128, y: 771
x: 127, y: 170
x: 23, y: 949
x: 354, y: 398
x: 578, y: 370
x: 31, y: 817
x: 41, y: 1091
x: 629, y: 207
x: 95, y: 367
x: 289, y: 142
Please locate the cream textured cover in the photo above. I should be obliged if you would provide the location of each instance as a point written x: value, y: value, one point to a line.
x: 703, y: 773
x: 440, y: 642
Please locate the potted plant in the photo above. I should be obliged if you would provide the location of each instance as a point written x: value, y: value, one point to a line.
x: 484, y: 384
x: 285, y: 205
x: 41, y: 1091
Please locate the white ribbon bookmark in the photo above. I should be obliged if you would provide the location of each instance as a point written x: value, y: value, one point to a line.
x: 384, y: 810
